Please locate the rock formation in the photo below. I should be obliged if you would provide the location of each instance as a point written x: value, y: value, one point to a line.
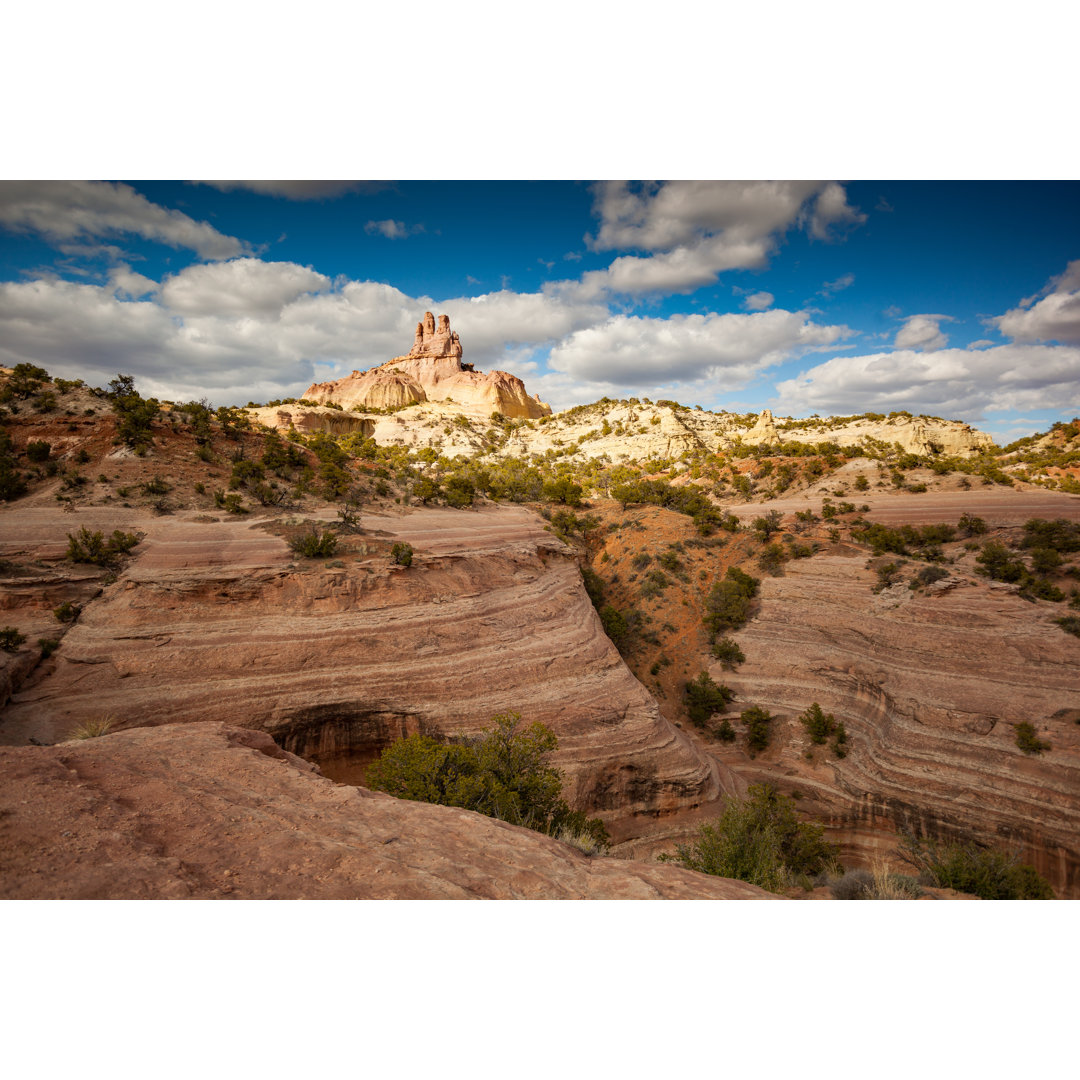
x: 432, y: 370
x: 308, y: 419
x: 337, y: 662
x: 763, y: 433
x: 208, y: 811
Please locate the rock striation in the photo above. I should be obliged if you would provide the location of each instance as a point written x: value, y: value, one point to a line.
x: 309, y: 420
x: 432, y: 370
x: 336, y: 662
x: 208, y: 811
x: 930, y: 687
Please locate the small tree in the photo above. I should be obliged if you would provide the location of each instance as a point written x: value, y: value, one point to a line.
x: 757, y: 722
x: 705, y: 697
x: 402, y: 553
x: 11, y: 639
x: 768, y: 524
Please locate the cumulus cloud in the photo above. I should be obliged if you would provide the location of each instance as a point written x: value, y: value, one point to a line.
x: 300, y: 189
x: 86, y: 210
x: 1056, y: 317
x: 694, y: 230
x: 833, y: 212
x: 392, y: 230
x: 246, y: 329
x: 630, y: 351
x: 240, y: 287
x: 949, y: 382
x: 922, y: 332
x: 758, y: 301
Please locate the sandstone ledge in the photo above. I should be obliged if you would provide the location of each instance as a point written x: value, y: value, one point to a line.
x: 205, y: 811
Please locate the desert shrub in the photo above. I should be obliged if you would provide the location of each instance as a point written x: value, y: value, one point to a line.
x: 704, y: 697
x: 231, y: 503
x: 503, y: 773
x: 728, y: 604
x: 156, y: 486
x: 134, y: 415
x: 315, y: 544
x: 772, y: 559
x: 997, y: 562
x: 854, y: 885
x: 38, y: 450
x: 641, y: 560
x: 615, y: 624
x: 728, y: 652
x: 1059, y: 535
x: 402, y: 553
x: 1027, y: 739
x: 972, y: 868
x: 1044, y: 560
x: 768, y: 524
x: 594, y: 586
x: 48, y: 646
x: 66, y: 612
x: 460, y: 492
x: 819, y: 724
x: 928, y: 575
x: 839, y: 741
x: 563, y: 490
x: 92, y: 547
x: 656, y: 581
x: 11, y: 639
x: 760, y: 840
x: 1070, y: 624
x: 92, y: 729
x: 757, y: 722
x: 970, y: 525
x: 426, y: 490
x: 670, y: 560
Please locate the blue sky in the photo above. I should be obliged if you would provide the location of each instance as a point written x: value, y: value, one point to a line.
x: 959, y: 299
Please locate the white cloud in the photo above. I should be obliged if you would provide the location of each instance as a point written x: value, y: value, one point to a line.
x: 299, y: 189
x: 950, y: 382
x: 832, y: 211
x: 250, y: 330
x: 392, y: 230
x: 694, y: 230
x: 84, y: 210
x: 631, y: 351
x: 129, y: 285
x: 759, y: 301
x: 922, y: 332
x: 242, y: 287
x: 1056, y: 317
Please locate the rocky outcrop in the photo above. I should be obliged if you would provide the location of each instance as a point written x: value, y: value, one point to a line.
x: 338, y: 661
x: 763, y: 433
x: 210, y: 811
x: 432, y: 370
x: 930, y: 687
x: 308, y: 420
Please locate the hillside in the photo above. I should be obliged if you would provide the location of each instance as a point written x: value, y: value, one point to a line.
x: 211, y: 617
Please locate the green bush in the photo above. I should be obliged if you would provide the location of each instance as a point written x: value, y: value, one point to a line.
x: 819, y: 724
x: 760, y: 840
x: 38, y: 450
x: 972, y: 868
x: 728, y: 604
x: 1027, y: 739
x: 92, y: 547
x: 66, y: 612
x: 48, y: 646
x: 757, y: 722
x: 402, y: 553
x: 728, y: 652
x: 1070, y: 624
x: 503, y: 773
x: 11, y: 639
x: 705, y: 697
x: 315, y: 544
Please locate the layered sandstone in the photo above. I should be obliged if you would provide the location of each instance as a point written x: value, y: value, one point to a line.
x: 208, y: 811
x: 930, y: 686
x: 310, y: 419
x: 211, y: 621
x: 432, y: 370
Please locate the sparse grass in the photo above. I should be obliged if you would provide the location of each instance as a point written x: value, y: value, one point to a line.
x: 92, y: 729
x: 585, y: 842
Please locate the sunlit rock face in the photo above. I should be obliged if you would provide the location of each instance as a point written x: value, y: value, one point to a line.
x: 432, y: 370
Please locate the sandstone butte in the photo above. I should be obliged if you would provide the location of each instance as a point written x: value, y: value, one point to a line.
x: 432, y: 370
